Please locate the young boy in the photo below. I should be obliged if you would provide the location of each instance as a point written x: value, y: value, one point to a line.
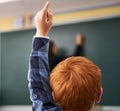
x: 75, y: 83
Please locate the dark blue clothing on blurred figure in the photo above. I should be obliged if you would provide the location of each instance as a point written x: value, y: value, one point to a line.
x: 55, y: 59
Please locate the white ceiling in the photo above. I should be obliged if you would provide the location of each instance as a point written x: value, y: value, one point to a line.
x: 24, y: 7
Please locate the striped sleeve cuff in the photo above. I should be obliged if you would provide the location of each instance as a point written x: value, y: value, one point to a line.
x: 41, y: 37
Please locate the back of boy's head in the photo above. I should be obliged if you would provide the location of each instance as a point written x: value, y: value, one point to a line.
x: 75, y: 83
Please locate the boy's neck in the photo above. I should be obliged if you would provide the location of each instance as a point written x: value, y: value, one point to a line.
x: 88, y: 110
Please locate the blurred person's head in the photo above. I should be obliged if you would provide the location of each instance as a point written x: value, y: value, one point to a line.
x: 53, y: 50
x: 76, y: 84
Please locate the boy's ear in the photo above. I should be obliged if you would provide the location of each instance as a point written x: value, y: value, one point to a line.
x: 98, y: 98
x: 53, y: 95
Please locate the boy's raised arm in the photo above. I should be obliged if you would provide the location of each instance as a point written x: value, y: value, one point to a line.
x: 43, y: 21
x: 38, y: 74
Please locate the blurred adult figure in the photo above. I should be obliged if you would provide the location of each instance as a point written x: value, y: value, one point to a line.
x: 54, y: 58
x: 79, y: 50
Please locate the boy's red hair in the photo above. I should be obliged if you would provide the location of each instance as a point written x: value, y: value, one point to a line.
x: 76, y: 83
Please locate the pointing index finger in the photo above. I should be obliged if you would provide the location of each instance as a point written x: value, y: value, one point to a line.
x: 46, y: 6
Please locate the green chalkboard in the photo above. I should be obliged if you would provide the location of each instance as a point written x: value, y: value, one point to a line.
x: 15, y: 54
x: 102, y: 39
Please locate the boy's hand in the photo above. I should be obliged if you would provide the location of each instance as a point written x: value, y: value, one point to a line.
x: 43, y: 21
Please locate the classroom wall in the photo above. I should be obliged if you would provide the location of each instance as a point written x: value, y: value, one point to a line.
x: 101, y: 45
x: 26, y: 21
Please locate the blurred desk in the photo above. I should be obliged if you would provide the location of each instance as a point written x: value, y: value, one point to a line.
x: 29, y: 108
x: 107, y: 108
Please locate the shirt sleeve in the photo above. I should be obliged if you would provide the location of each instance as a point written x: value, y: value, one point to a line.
x: 38, y: 77
x: 79, y: 50
x: 41, y: 37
